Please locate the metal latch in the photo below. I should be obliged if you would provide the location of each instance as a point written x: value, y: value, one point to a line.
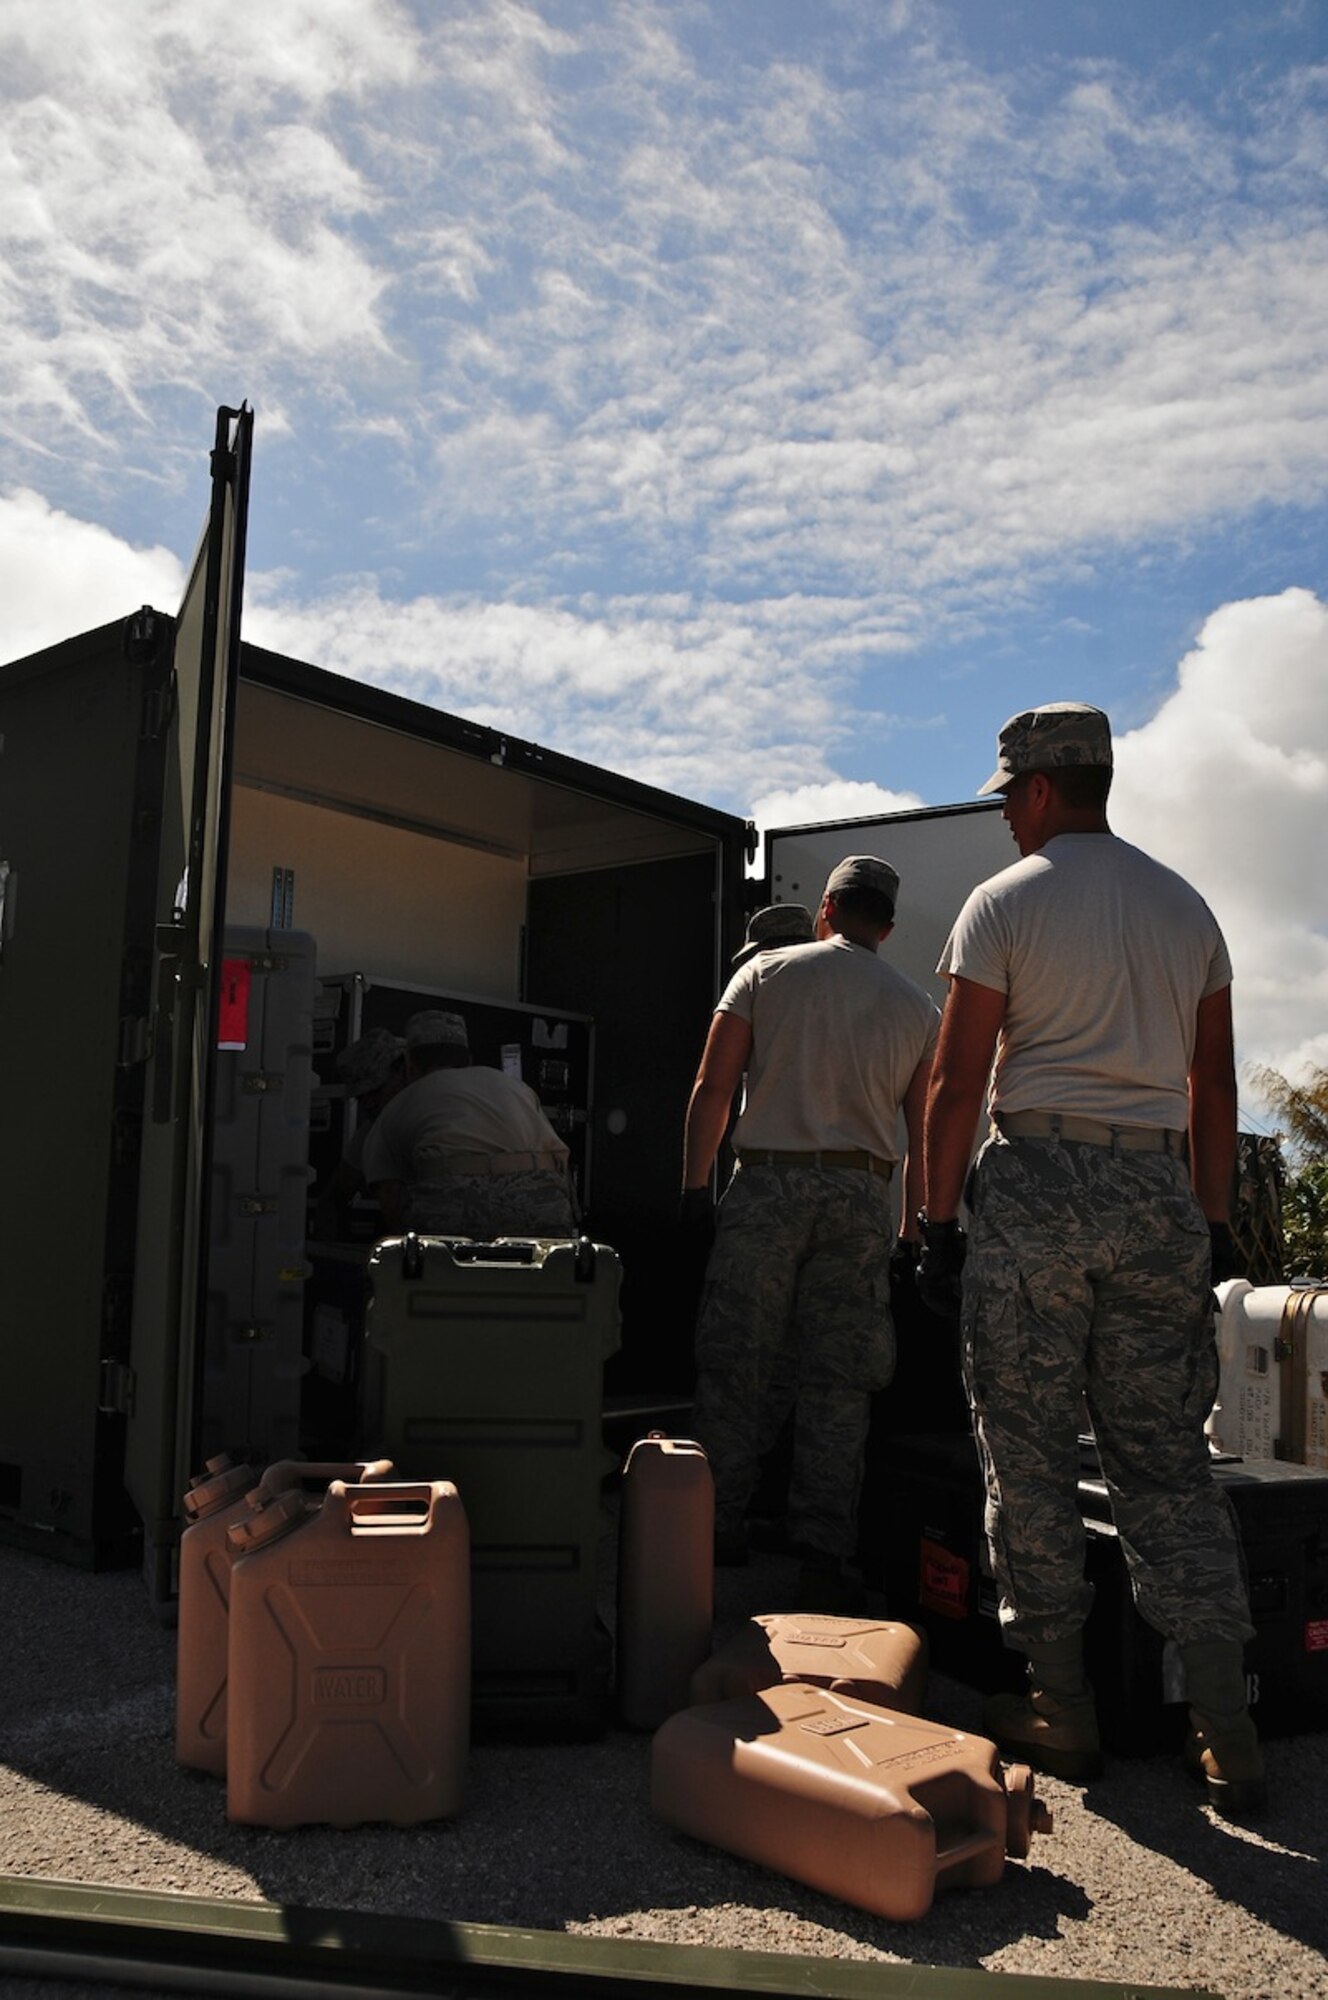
x: 256, y: 1204
x: 283, y: 899
x: 246, y: 1332
x: 260, y: 1081
x: 116, y: 1396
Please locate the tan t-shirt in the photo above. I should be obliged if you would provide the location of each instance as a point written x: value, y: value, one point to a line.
x: 837, y: 1035
x: 1104, y: 955
x: 475, y: 1110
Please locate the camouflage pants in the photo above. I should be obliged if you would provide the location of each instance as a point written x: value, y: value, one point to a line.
x: 796, y: 1292
x: 536, y: 1202
x: 1088, y: 1279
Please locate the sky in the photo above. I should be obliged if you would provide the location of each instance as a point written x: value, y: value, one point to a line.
x: 761, y: 398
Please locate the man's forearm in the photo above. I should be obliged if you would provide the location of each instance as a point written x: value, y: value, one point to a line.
x: 1213, y: 1107
x: 952, y: 1119
x: 727, y: 1048
x: 707, y: 1121
x: 1213, y: 1148
x: 969, y: 1030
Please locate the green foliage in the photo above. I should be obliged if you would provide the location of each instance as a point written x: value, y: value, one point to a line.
x: 1305, y: 1222
x: 1304, y: 1106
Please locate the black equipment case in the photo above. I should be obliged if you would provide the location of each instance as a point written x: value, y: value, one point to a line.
x: 937, y: 1575
x: 484, y: 1365
x: 1281, y: 1514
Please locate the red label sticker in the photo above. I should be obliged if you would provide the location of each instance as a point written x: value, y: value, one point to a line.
x: 1316, y: 1635
x: 942, y: 1580
x: 233, y: 1008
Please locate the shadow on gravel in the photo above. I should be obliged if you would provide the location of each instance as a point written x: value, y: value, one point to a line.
x: 1274, y: 1866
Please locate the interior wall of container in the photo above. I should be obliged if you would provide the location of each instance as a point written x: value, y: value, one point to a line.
x: 402, y: 905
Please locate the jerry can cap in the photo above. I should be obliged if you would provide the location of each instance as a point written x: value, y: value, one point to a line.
x: 208, y: 1495
x: 271, y: 1519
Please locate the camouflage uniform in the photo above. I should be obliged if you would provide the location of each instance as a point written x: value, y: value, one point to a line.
x: 1087, y: 1276
x: 536, y: 1202
x: 798, y: 1280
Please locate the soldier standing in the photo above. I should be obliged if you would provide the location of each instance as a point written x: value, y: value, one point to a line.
x: 833, y: 1042
x: 1099, y: 1210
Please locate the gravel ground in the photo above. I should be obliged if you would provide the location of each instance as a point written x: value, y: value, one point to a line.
x: 1138, y: 1881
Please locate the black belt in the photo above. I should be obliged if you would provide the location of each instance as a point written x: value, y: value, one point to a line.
x: 856, y: 1156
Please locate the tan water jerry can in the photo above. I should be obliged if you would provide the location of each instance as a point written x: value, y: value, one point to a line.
x: 216, y: 1500
x: 350, y: 1658
x: 666, y: 1576
x: 879, y: 1662
x: 879, y: 1809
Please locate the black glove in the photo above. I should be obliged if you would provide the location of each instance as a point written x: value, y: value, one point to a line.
x: 904, y: 1268
x: 940, y: 1264
x: 696, y: 1216
x: 1227, y: 1261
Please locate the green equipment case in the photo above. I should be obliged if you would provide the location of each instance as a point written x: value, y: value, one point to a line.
x: 484, y: 1365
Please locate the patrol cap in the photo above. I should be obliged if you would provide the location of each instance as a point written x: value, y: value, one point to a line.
x: 1048, y: 739
x: 434, y: 1029
x: 777, y: 925
x: 367, y: 1064
x: 864, y: 871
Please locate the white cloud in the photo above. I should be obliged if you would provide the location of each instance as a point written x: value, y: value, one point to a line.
x: 169, y: 212
x: 697, y: 697
x: 800, y: 320
x: 840, y: 798
x: 60, y: 576
x: 1229, y: 783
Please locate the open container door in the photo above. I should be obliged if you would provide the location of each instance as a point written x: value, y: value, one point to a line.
x: 187, y: 949
x: 940, y: 852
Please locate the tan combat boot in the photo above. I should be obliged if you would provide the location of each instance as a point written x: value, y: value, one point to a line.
x: 1222, y: 1748
x: 1054, y: 1726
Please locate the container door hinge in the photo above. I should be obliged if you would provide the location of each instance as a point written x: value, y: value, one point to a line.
x: 133, y: 1040
x: 117, y: 1389
x: 158, y: 708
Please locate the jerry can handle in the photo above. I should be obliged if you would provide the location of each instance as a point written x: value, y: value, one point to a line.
x: 292, y: 1471
x: 372, y: 1509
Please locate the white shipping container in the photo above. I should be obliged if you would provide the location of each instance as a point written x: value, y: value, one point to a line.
x: 1272, y: 1401
x: 1246, y: 1419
